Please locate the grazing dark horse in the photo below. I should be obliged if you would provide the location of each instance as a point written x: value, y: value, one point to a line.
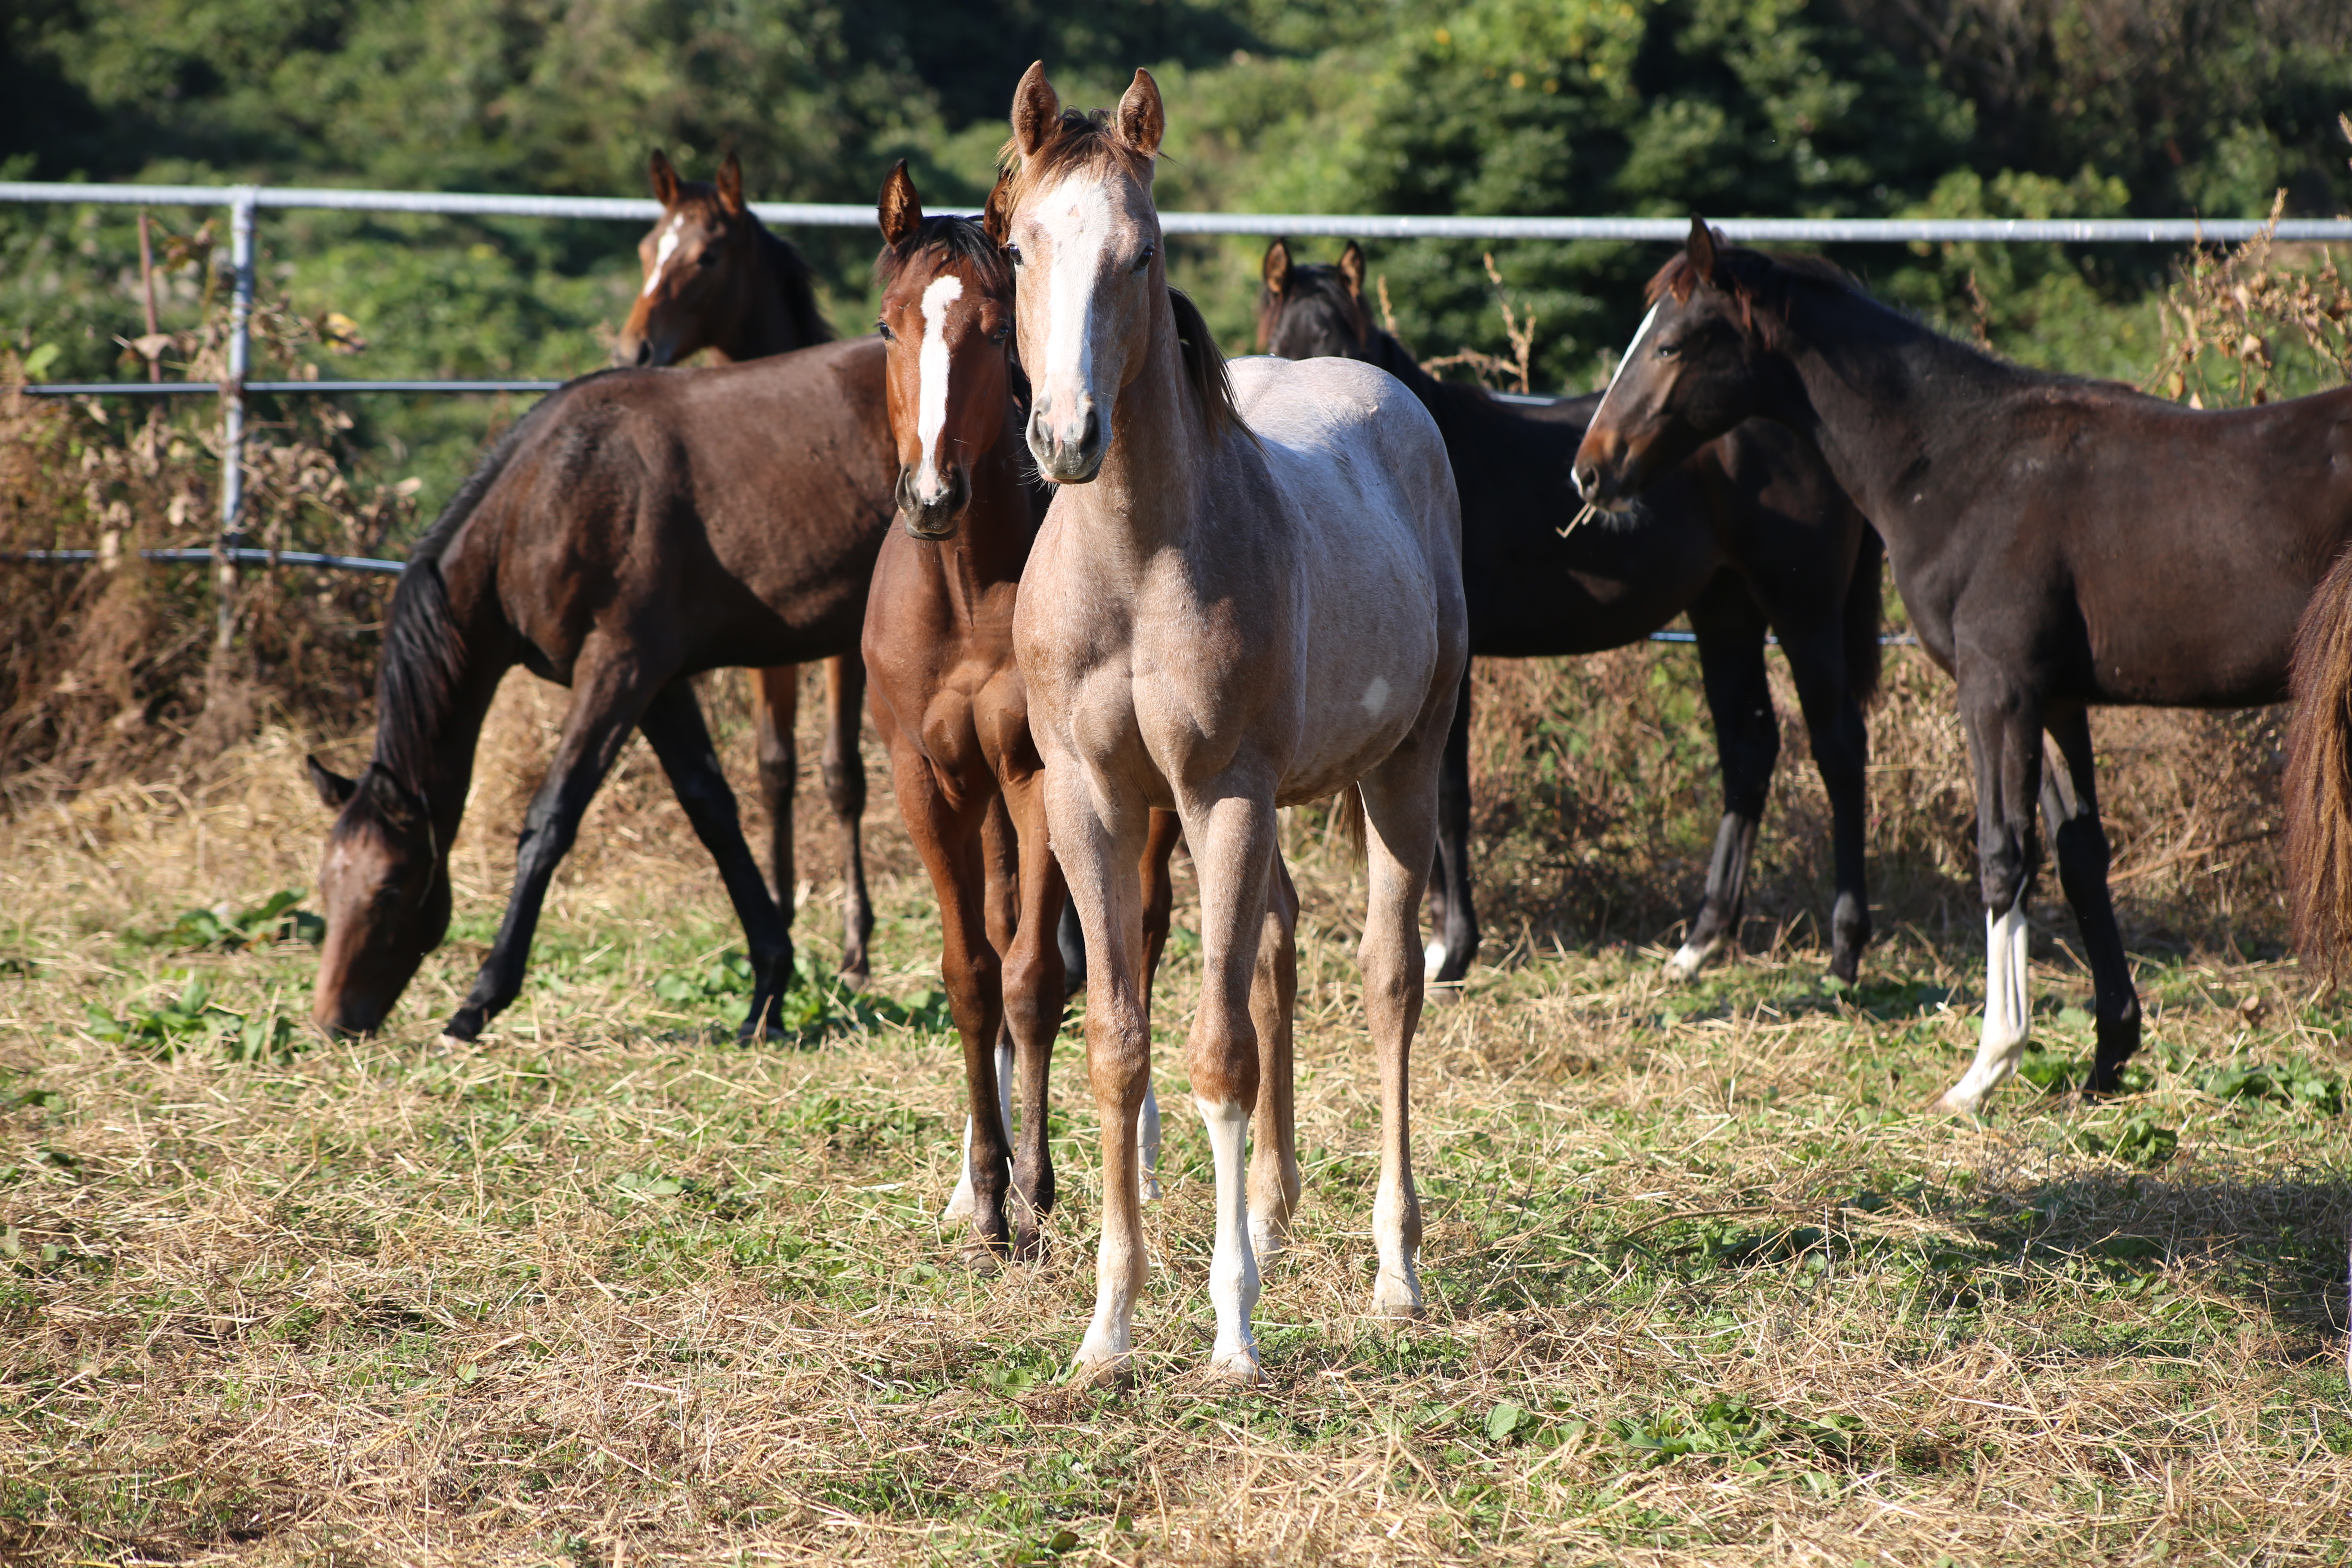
x: 2060, y: 543
x: 949, y: 702
x: 636, y: 527
x: 1751, y: 533
x: 716, y: 279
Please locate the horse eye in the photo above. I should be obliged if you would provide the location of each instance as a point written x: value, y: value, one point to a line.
x: 888, y: 335
x: 708, y: 258
x: 1001, y: 333
x: 1012, y: 253
x: 1144, y: 260
x: 1668, y: 351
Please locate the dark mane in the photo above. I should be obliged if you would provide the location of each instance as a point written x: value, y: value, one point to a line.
x: 423, y: 653
x: 1755, y: 277
x: 1204, y: 367
x: 794, y: 282
x: 958, y: 238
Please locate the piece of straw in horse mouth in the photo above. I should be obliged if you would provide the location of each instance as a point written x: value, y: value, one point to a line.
x: 1589, y: 510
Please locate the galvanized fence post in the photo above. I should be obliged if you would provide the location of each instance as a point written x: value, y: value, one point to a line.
x: 243, y: 202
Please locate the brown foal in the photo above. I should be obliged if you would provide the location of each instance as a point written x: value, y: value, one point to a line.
x: 950, y: 703
x: 717, y: 279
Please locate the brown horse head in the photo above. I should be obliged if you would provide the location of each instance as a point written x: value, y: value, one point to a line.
x: 1081, y: 224
x: 946, y: 314
x: 1699, y: 364
x: 1307, y: 312
x: 384, y: 884
x: 700, y: 268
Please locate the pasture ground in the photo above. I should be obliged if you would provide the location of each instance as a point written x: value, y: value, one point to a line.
x: 608, y: 1288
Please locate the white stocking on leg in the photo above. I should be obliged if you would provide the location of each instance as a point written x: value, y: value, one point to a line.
x: 2007, y: 1013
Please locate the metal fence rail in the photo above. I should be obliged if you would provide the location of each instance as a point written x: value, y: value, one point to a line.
x: 244, y: 202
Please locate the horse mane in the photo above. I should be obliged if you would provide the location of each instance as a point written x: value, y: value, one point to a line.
x: 1081, y: 139
x: 424, y: 652
x: 796, y: 282
x: 1204, y: 367
x: 1755, y: 278
x: 959, y: 240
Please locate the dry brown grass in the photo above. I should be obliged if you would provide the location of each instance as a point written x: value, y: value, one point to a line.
x: 610, y: 1290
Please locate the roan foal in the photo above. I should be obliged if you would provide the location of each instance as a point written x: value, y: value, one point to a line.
x: 1247, y: 593
x: 950, y: 703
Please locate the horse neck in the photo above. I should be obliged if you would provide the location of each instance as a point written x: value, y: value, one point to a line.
x: 431, y: 747
x: 991, y: 546
x: 1882, y: 397
x: 1147, y: 494
x: 770, y: 317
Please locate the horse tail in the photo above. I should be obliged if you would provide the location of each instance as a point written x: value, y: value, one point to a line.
x: 1865, y: 604
x: 1348, y: 821
x: 2317, y: 789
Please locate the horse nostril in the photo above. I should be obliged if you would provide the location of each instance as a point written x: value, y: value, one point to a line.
x: 1091, y: 433
x: 1588, y: 479
x: 644, y: 350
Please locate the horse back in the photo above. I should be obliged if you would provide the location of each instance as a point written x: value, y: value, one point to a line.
x: 729, y: 515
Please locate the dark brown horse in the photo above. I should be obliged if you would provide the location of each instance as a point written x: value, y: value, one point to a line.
x: 949, y: 702
x: 716, y: 278
x: 635, y: 527
x: 2060, y: 544
x: 1750, y: 533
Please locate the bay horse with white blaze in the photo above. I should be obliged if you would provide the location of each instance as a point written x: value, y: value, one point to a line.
x: 1247, y: 593
x: 2060, y: 544
x: 949, y: 702
x: 716, y: 278
x: 1749, y: 534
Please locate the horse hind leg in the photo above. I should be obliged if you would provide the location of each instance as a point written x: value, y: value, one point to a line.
x: 673, y: 724
x: 845, y: 791
x: 775, y: 716
x: 1841, y: 742
x: 2070, y: 802
x: 1448, y: 958
x: 1730, y: 632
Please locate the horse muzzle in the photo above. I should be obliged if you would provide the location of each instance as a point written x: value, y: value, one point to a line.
x: 935, y: 517
x: 1605, y: 473
x: 643, y: 351
x: 1064, y: 455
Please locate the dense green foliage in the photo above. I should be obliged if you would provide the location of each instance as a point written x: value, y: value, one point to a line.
x: 1730, y: 106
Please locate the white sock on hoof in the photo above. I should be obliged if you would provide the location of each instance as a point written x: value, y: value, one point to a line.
x: 1433, y: 959
x: 1233, y: 1266
x: 2007, y: 1013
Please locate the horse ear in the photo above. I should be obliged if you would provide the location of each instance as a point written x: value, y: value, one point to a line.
x: 1275, y: 268
x: 401, y: 810
x: 1700, y: 249
x: 665, y: 178
x: 1141, y: 120
x: 1035, y: 106
x: 996, y: 217
x: 1351, y: 270
x: 901, y: 209
x: 730, y: 185
x: 334, y: 789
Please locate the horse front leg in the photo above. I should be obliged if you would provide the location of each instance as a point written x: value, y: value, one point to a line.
x: 2070, y: 801
x: 1098, y: 856
x: 947, y: 834
x: 1167, y: 831
x: 845, y: 791
x: 1730, y: 632
x: 673, y: 724
x: 1841, y: 742
x: 2004, y: 725
x: 1232, y: 831
x: 1033, y: 998
x: 609, y: 693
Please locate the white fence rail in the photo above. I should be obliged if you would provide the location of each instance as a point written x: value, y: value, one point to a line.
x: 244, y: 202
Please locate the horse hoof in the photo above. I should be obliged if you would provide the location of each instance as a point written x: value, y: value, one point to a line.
x: 1684, y: 965
x: 1103, y: 1373
x: 1151, y: 1189
x: 1442, y: 993
x: 854, y: 977
x: 1268, y: 1241
x: 1952, y: 1103
x: 982, y: 1259
x: 1394, y: 1296
x: 1236, y: 1369
x: 450, y: 1042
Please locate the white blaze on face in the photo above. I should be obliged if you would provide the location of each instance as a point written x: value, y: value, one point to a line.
x: 1639, y: 334
x: 1076, y: 218
x: 931, y: 381
x: 663, y: 252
